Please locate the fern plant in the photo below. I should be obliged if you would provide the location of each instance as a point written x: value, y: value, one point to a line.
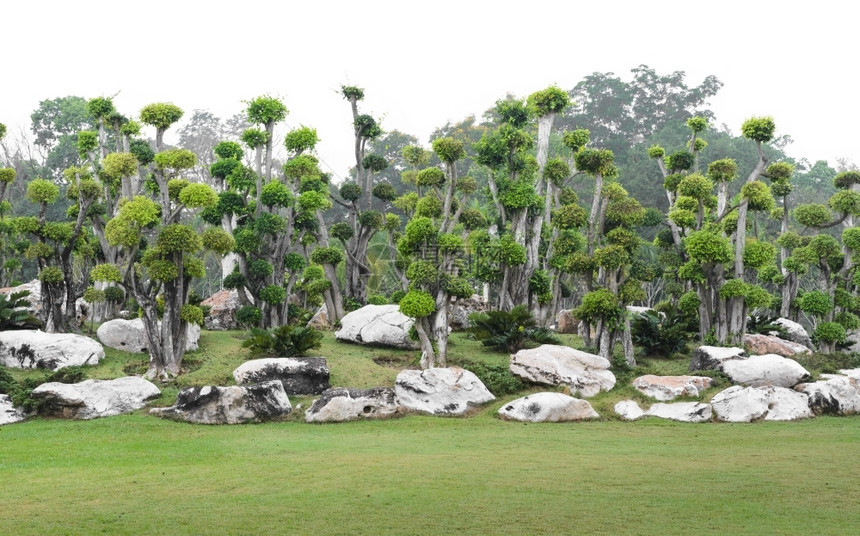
x: 509, y: 332
x: 283, y: 341
x: 765, y: 324
x: 12, y: 312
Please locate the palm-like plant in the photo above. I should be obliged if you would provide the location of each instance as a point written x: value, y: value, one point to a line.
x: 509, y: 331
x: 13, y: 314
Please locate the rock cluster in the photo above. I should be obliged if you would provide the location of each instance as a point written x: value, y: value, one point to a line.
x: 666, y: 388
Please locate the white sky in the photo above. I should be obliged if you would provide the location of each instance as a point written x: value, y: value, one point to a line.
x: 423, y: 64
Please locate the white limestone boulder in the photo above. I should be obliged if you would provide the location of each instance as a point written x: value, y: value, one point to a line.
x: 770, y: 369
x: 92, y: 399
x: 835, y: 395
x: 440, y: 391
x: 758, y: 344
x: 9, y: 413
x: 53, y: 351
x: 548, y: 407
x: 342, y: 404
x: 666, y: 388
x: 585, y: 374
x: 130, y: 336
x: 713, y: 357
x: 222, y: 310
x: 629, y: 410
x: 229, y: 405
x: 795, y: 332
x: 770, y: 403
x: 681, y: 411
x: 378, y: 325
x: 299, y: 375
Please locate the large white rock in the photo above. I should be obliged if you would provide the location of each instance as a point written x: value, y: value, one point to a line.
x: 37, y: 349
x: 629, y: 410
x: 8, y: 413
x: 854, y: 338
x: 130, y: 336
x: 769, y: 369
x: 758, y: 344
x: 548, y: 407
x: 299, y: 375
x: 713, y: 357
x: 342, y: 404
x: 585, y: 374
x: 222, y: 310
x: 835, y: 395
x: 740, y: 404
x: 440, y: 391
x: 853, y: 375
x: 665, y: 388
x: 786, y: 404
x: 681, y: 411
x: 382, y: 325
x: 770, y: 403
x: 229, y: 405
x: 795, y: 332
x: 91, y: 399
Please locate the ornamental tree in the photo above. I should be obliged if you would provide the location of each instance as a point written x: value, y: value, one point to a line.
x: 160, y: 255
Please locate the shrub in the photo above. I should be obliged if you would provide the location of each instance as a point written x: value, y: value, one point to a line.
x: 509, y: 332
x: 496, y: 377
x: 283, y: 341
x: 377, y: 299
x: 248, y: 316
x: 663, y: 335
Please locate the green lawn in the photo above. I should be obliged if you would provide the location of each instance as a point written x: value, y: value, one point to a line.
x: 138, y: 474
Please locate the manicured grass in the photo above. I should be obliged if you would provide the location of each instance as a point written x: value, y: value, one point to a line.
x: 138, y: 474
x: 421, y: 475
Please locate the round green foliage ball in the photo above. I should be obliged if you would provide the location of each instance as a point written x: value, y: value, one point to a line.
x: 594, y: 161
x: 273, y: 294
x: 350, y: 192
x: 758, y: 196
x: 160, y: 115
x: 577, y: 139
x: 384, y: 191
x: 421, y: 273
x: 758, y: 254
x: 249, y: 316
x: 759, y: 129
x: 472, y: 219
x: 114, y: 294
x: 815, y: 302
x: 432, y: 177
x: 695, y: 185
x: 42, y: 191
x: 449, y: 150
x: 51, y: 275
x: 551, y: 100
x: 846, y: 179
x: 7, y: 175
x: 277, y: 194
x: 689, y: 303
x: 724, y: 170
x: 301, y: 139
x: 830, y: 332
x: 178, y: 237
x: 266, y: 109
x: 342, y: 231
x: 176, y: 159
x: 429, y: 206
x: 328, y: 255
x: 228, y: 150
x: 260, y: 269
x: 697, y: 124
x: 599, y: 303
x: 191, y: 314
x: 417, y: 304
x: 680, y: 161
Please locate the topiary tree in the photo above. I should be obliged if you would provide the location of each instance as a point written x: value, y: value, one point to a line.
x: 160, y: 256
